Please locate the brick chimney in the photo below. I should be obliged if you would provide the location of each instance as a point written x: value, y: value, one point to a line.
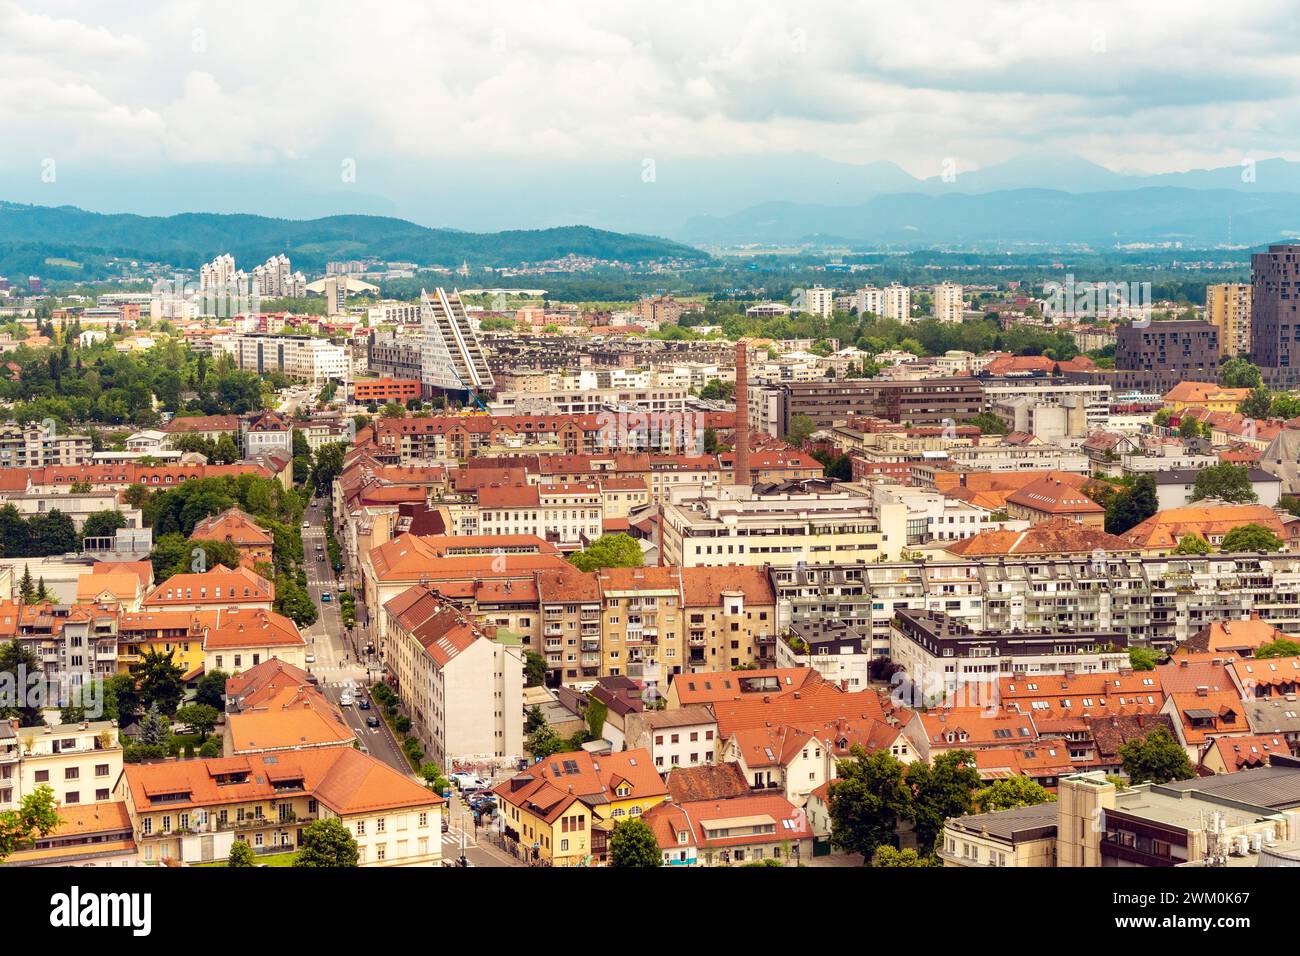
x: 740, y: 469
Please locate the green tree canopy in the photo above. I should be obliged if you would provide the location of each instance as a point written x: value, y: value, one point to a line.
x: 36, y: 816
x: 1010, y: 793
x: 1250, y: 537
x: 889, y: 856
x: 1143, y: 658
x: 1227, y: 482
x: 1282, y: 647
x: 633, y: 844
x: 609, y: 551
x: 1238, y: 372
x: 1192, y: 544
x: 1131, y: 507
x: 867, y: 800
x: 327, y: 843
x: 1155, y: 758
x: 241, y: 855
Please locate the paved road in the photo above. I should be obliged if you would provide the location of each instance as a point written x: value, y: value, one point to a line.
x: 335, y: 663
x: 336, y: 667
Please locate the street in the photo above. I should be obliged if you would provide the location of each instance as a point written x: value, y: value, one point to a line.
x: 336, y: 666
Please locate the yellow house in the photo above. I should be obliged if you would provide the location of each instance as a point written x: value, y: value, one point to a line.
x: 167, y: 632
x: 562, y: 808
x: 1206, y: 395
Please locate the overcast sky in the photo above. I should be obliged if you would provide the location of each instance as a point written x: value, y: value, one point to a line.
x: 134, y: 100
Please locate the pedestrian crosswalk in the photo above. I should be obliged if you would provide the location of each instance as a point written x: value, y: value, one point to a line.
x: 453, y: 836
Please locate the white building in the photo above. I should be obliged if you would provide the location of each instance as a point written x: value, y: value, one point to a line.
x: 819, y: 301
x: 948, y: 302
x: 896, y: 302
x: 304, y: 357
x: 464, y: 690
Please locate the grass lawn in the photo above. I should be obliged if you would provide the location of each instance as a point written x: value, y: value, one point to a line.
x: 269, y: 859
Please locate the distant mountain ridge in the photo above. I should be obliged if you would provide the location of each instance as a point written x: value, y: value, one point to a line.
x: 1198, y: 218
x: 190, y: 239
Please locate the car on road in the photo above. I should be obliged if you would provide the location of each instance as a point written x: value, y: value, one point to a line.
x: 341, y: 588
x: 445, y: 825
x: 372, y: 721
x: 464, y: 780
x: 346, y: 699
x: 311, y: 658
x: 363, y: 704
x: 320, y: 559
x: 306, y: 524
x: 326, y: 597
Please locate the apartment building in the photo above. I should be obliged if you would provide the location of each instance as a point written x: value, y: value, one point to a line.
x: 38, y: 445
x: 1227, y: 308
x: 809, y: 522
x: 451, y: 356
x: 941, y: 654
x: 79, y: 762
x: 896, y: 302
x: 304, y: 357
x: 938, y: 401
x: 949, y: 304
x: 1170, y: 351
x: 568, y: 514
x: 463, y: 689
x: 1155, y: 601
x: 185, y: 812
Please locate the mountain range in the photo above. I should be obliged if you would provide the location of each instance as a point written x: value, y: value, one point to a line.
x: 29, y: 235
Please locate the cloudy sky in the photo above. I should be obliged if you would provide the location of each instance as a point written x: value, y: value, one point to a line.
x: 492, y: 113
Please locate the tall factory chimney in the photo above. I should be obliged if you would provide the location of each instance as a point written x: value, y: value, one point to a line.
x: 740, y: 473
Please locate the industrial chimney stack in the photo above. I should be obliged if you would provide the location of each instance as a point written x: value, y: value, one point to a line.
x: 740, y: 473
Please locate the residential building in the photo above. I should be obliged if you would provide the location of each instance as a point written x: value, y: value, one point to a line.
x: 79, y: 762
x: 948, y: 302
x: 445, y: 666
x: 185, y: 812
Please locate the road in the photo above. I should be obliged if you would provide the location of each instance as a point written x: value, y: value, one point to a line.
x: 335, y: 662
x: 336, y: 666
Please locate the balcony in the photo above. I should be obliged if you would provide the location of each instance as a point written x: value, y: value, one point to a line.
x: 554, y: 630
x: 589, y: 646
x: 697, y: 640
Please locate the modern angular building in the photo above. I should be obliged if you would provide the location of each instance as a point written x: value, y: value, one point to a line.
x: 451, y: 358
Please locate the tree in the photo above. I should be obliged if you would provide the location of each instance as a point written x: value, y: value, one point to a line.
x: 27, y: 590
x: 609, y: 551
x: 1238, y: 372
x: 941, y: 790
x: 544, y: 741
x: 155, y: 729
x: 1189, y: 427
x: 534, y: 669
x: 1227, y: 482
x: 988, y: 424
x: 1132, y: 506
x: 711, y: 444
x: 533, y: 719
x: 329, y: 463
x: 159, y: 678
x: 102, y: 524
x: 17, y: 665
x: 35, y: 817
x: 1192, y: 544
x: 1250, y: 537
x: 801, y: 428
x: 1282, y: 647
x: 633, y: 844
x: 199, y: 718
x: 867, y: 800
x: 326, y: 843
x: 1257, y: 404
x: 211, y: 690
x: 1155, y: 758
x: 1010, y: 793
x: 432, y: 775
x: 1143, y: 658
x: 888, y: 856
x: 241, y: 854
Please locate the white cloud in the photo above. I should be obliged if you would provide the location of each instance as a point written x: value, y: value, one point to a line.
x: 1160, y: 85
